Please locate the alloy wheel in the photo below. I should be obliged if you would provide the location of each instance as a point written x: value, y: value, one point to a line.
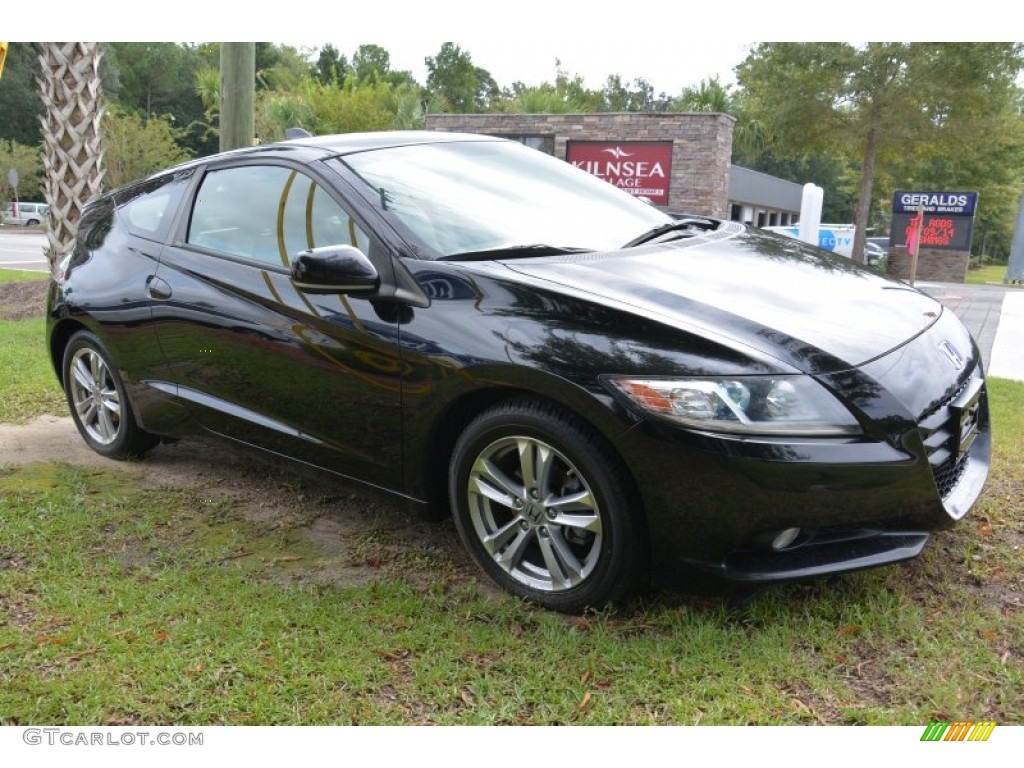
x: 535, y: 513
x: 94, y: 396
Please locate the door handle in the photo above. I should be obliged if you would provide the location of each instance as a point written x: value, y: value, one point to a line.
x: 157, y: 288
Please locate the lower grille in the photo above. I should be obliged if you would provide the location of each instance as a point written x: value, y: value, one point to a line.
x: 948, y: 474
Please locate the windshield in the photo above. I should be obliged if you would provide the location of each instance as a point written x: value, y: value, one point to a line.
x: 473, y: 196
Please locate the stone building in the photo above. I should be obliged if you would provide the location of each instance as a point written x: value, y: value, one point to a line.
x: 697, y: 146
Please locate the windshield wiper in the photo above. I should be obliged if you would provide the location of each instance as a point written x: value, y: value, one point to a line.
x: 691, y: 225
x: 513, y: 252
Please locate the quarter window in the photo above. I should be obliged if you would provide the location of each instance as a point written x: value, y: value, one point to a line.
x: 149, y: 207
x: 268, y: 213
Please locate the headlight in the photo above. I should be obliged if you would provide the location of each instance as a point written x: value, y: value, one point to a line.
x: 752, y: 405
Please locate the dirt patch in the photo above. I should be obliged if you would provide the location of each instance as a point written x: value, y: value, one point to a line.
x: 23, y: 299
x: 358, y: 535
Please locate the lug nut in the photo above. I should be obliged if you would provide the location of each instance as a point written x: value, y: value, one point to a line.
x: 524, y: 524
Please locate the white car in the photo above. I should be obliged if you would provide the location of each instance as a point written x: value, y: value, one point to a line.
x: 26, y: 214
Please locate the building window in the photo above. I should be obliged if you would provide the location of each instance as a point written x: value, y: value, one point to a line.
x: 736, y: 212
x: 545, y: 144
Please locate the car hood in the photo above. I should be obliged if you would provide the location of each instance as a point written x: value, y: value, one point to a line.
x: 818, y: 312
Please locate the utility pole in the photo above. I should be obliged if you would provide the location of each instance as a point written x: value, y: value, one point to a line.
x: 237, y: 91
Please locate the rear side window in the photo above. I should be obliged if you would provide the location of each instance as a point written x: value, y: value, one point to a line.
x: 268, y: 213
x: 148, y: 208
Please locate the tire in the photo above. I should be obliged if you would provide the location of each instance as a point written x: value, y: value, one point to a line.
x: 98, y: 403
x: 32, y: 223
x: 582, y: 552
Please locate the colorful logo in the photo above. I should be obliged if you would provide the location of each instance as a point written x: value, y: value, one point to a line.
x: 961, y: 730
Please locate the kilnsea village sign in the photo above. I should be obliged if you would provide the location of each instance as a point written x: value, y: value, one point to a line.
x: 641, y: 168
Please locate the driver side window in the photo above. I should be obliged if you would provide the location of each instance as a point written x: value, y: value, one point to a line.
x: 268, y: 213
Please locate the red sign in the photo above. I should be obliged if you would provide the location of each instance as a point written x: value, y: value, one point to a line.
x: 640, y: 168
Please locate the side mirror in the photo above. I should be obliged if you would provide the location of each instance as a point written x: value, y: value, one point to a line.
x: 334, y: 269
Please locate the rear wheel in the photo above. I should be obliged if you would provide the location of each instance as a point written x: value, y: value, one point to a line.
x: 544, y: 509
x: 97, y: 400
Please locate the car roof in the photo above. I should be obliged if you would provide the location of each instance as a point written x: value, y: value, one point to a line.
x: 332, y: 145
x: 347, y: 143
x: 322, y: 147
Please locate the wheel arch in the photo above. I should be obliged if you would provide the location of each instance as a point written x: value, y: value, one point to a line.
x: 60, y: 335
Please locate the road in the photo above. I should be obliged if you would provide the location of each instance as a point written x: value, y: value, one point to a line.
x: 22, y: 251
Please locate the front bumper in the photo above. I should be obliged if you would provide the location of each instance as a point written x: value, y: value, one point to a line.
x: 715, y: 503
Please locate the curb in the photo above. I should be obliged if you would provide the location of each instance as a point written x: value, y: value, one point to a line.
x: 1008, y: 347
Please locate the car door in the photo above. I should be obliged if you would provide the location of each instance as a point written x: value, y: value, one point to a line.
x: 314, y: 377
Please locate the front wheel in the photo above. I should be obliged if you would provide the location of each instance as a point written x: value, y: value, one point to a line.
x: 544, y: 508
x: 97, y: 400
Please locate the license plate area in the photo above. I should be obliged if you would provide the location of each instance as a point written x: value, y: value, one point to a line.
x: 966, y: 410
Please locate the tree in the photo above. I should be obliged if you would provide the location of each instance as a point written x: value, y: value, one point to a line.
x: 371, y: 64
x: 542, y: 99
x: 323, y: 108
x: 711, y: 96
x: 989, y: 159
x: 456, y: 81
x: 136, y: 148
x: 708, y: 96
x: 881, y: 100
x: 25, y: 160
x: 207, y: 128
x: 331, y: 67
x: 618, y: 97
x: 19, y: 98
x: 71, y: 91
x: 830, y: 170
x: 154, y: 78
x: 568, y: 94
x: 280, y: 67
x: 159, y: 79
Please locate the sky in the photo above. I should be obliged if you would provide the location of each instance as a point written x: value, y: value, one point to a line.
x: 673, y: 44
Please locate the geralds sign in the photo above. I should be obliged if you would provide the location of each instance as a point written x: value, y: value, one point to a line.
x: 955, y: 203
x: 640, y: 168
x: 946, y: 223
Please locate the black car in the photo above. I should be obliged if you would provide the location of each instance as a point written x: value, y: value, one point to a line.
x: 602, y: 394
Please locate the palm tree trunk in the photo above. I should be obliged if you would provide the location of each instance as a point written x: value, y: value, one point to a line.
x: 73, y: 146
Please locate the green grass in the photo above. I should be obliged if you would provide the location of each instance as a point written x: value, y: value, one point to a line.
x: 15, y: 275
x: 127, y: 604
x: 993, y: 273
x: 28, y: 384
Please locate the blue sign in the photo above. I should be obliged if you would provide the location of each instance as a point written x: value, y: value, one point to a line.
x: 950, y: 203
x: 834, y: 239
